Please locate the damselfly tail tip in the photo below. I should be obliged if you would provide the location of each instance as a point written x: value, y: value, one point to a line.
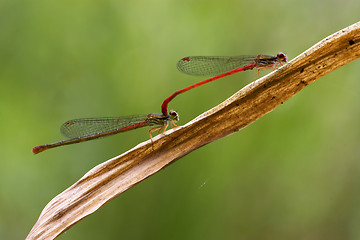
x: 39, y: 149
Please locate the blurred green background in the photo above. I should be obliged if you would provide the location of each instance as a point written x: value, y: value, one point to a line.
x: 293, y: 174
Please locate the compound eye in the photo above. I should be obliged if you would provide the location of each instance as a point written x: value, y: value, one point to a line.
x: 281, y: 56
x: 174, y: 115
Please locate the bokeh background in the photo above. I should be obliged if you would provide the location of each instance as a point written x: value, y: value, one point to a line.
x: 293, y: 174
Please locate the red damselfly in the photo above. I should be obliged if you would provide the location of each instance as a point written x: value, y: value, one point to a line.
x: 85, y: 129
x: 224, y: 66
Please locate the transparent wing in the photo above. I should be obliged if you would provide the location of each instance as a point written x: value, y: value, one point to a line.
x: 210, y: 66
x: 87, y: 126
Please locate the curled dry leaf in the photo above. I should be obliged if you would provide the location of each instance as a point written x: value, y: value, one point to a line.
x: 116, y: 175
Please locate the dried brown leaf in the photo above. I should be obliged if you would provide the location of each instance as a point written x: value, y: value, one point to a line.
x: 109, y: 179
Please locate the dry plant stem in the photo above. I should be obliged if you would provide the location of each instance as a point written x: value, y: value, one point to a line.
x: 113, y: 177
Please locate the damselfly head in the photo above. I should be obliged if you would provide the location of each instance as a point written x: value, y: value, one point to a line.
x: 174, y: 116
x: 281, y: 57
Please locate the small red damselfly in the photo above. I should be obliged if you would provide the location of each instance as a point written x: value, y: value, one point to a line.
x: 225, y: 66
x: 85, y: 129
